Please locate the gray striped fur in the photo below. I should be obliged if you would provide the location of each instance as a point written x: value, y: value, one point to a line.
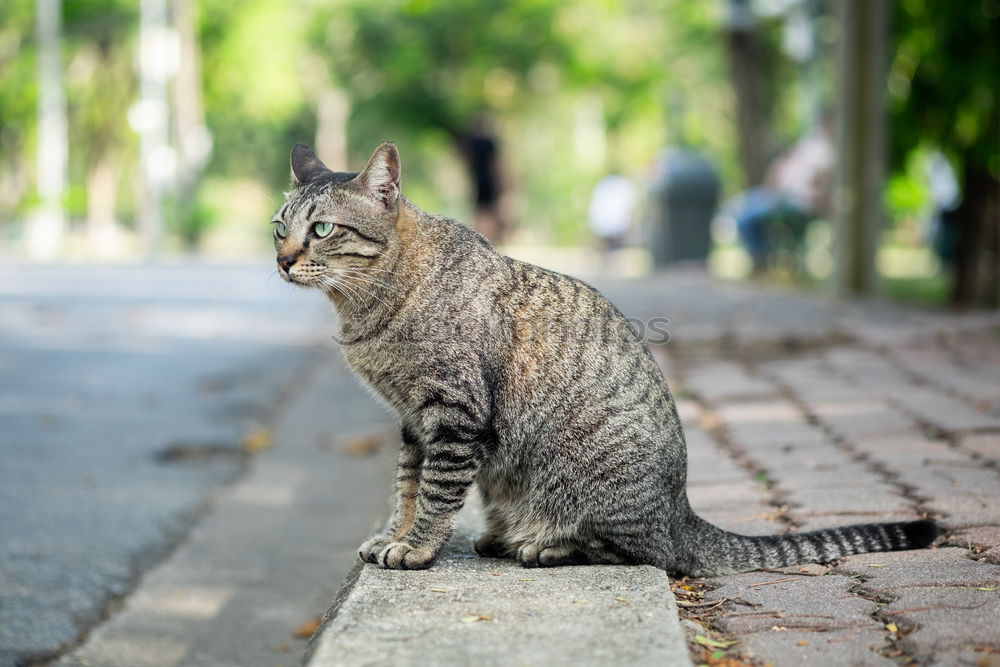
x: 528, y: 383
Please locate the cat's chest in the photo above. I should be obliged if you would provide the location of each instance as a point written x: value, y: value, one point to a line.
x: 388, y: 370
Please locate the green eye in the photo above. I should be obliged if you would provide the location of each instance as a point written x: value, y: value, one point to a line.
x: 323, y: 229
x: 280, y: 230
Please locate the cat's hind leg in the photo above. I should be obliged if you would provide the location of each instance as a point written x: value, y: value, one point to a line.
x: 493, y: 542
x: 534, y: 555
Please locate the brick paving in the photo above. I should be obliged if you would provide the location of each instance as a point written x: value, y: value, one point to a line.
x: 855, y: 431
x: 803, y: 414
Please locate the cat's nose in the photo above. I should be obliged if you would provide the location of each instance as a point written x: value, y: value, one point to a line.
x: 286, y: 261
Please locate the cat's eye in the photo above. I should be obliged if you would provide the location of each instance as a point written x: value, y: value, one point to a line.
x: 322, y: 229
x: 280, y: 230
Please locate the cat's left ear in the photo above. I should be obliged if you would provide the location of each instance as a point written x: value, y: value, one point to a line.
x: 381, y: 177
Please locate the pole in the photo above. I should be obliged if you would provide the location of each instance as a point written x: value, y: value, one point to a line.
x: 48, y: 224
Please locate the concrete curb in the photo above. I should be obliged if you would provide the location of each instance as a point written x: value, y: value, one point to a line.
x: 470, y: 610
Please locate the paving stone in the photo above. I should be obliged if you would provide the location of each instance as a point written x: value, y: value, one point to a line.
x: 724, y: 495
x: 933, y: 480
x: 820, y: 603
x: 752, y: 519
x: 887, y: 572
x: 991, y: 556
x: 986, y: 445
x: 967, y: 509
x: 711, y: 471
x: 690, y: 412
x: 769, y: 436
x: 946, y: 412
x: 790, y: 464
x: 699, y: 440
x: 819, y: 521
x: 942, y: 617
x: 968, y: 383
x: 846, y: 474
x: 845, y: 646
x: 869, y: 425
x: 852, y: 500
x: 725, y: 381
x: 979, y: 537
x: 775, y: 412
x: 901, y: 451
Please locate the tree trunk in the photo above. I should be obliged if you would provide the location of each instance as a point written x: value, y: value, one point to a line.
x: 744, y: 68
x: 977, y: 258
x: 861, y: 145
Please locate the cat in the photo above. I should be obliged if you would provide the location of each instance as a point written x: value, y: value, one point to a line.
x: 526, y: 382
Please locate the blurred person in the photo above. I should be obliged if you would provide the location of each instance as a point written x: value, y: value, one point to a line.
x: 943, y: 226
x: 798, y: 189
x: 610, y: 213
x: 481, y: 149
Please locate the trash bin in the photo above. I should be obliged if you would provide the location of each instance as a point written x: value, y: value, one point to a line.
x: 684, y: 200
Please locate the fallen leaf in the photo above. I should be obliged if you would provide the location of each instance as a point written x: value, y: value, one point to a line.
x: 718, y: 655
x: 477, y: 617
x: 802, y: 642
x: 257, y: 440
x: 892, y: 627
x: 621, y: 599
x: 985, y: 588
x: 714, y: 643
x: 878, y: 564
x: 580, y: 601
x: 308, y: 628
x: 365, y: 445
x: 496, y: 573
x: 439, y: 590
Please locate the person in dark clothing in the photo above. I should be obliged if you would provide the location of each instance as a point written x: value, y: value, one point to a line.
x: 481, y: 150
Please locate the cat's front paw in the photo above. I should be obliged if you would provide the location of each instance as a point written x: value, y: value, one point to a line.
x: 401, y: 556
x: 369, y: 551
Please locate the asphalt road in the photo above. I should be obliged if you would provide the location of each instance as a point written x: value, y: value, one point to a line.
x: 125, y: 396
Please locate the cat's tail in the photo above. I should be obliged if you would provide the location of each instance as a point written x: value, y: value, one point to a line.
x: 722, y: 552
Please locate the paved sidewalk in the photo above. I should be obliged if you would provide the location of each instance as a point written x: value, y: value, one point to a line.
x: 830, y: 414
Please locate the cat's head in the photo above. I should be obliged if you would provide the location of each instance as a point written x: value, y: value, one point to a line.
x: 335, y: 225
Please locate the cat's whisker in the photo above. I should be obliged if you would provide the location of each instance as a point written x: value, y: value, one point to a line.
x: 355, y: 273
x: 335, y: 285
x: 369, y: 281
x: 349, y: 292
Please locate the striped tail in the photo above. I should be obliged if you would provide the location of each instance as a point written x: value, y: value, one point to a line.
x: 727, y: 553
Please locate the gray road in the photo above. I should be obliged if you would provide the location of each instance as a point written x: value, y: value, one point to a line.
x: 125, y: 395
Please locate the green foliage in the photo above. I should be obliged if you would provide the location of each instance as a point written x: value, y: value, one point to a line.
x: 943, y: 80
x: 18, y: 93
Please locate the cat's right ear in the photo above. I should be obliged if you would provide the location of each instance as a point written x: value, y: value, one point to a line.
x: 305, y: 165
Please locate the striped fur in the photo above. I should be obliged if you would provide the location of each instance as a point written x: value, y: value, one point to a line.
x: 528, y: 383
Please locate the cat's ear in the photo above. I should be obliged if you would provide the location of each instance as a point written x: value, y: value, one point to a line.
x: 381, y: 176
x: 305, y: 165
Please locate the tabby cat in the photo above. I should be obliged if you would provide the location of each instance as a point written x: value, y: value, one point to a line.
x: 527, y: 382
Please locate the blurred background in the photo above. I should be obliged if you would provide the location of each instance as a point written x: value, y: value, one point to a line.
x: 845, y: 145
